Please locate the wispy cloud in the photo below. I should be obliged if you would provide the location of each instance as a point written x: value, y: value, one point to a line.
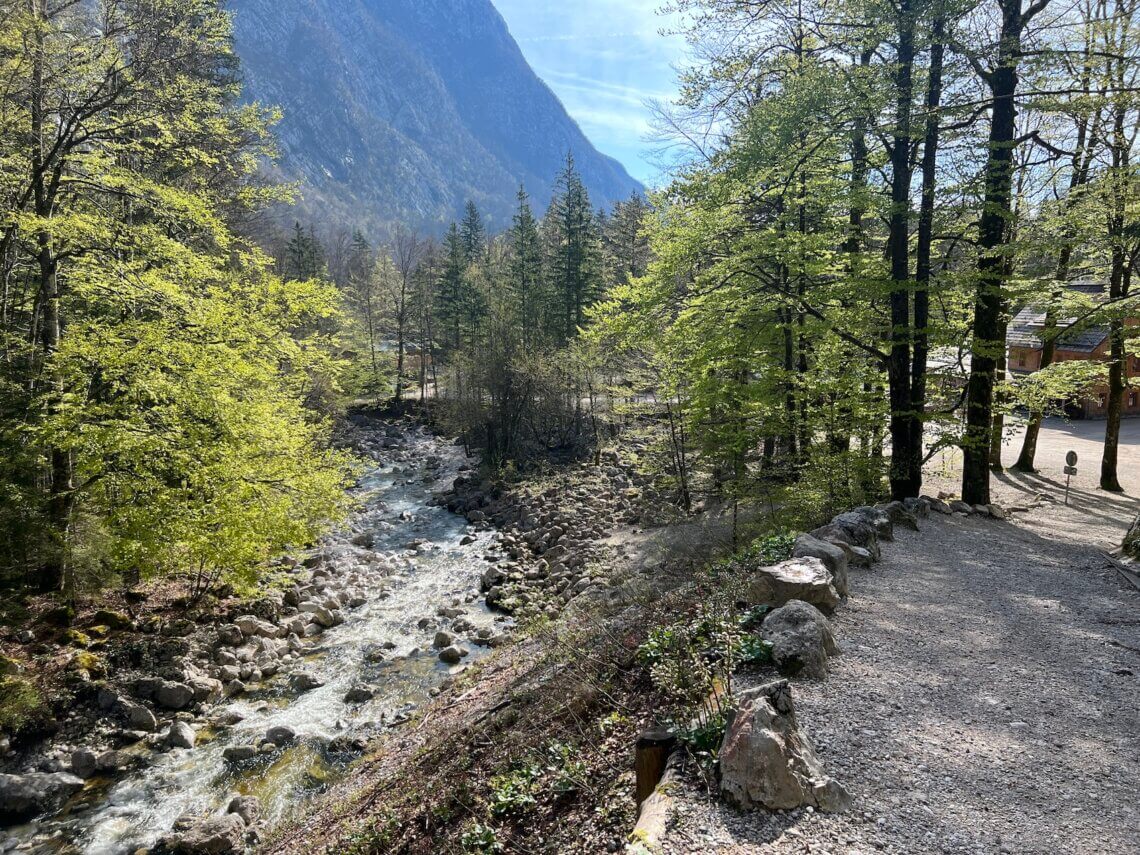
x: 605, y: 59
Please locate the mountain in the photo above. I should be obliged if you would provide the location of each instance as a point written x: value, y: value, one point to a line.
x: 400, y: 110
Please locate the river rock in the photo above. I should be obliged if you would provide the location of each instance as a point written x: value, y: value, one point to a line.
x: 215, y: 835
x: 138, y: 716
x: 252, y: 626
x: 281, y: 735
x: 801, y: 639
x: 322, y: 616
x: 173, y: 696
x: 230, y: 635
x: 25, y: 796
x: 832, y: 556
x: 181, y: 735
x: 359, y: 694
x: 247, y: 807
x: 83, y: 762
x: 443, y: 639
x: 303, y: 681
x: 240, y: 753
x: 765, y: 761
x: 804, y: 579
x: 452, y: 654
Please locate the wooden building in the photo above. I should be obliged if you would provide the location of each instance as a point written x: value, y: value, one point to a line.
x: 1074, y: 343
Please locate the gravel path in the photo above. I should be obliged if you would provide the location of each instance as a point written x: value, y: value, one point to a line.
x: 987, y: 700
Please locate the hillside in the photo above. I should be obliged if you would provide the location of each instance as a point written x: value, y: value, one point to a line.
x: 400, y: 110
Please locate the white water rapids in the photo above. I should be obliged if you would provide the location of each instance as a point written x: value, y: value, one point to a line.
x: 431, y: 570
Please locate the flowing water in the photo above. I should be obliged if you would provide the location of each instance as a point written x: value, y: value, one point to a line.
x: 417, y: 566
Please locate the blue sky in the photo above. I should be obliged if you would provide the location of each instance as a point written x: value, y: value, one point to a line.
x: 604, y: 59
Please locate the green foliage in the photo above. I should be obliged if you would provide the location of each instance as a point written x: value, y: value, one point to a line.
x: 771, y: 549
x: 172, y: 413
x: 512, y: 793
x: 480, y: 840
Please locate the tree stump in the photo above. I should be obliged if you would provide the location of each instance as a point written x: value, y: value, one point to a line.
x: 653, y: 750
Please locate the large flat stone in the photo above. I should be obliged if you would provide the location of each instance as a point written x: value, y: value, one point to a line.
x: 806, y: 579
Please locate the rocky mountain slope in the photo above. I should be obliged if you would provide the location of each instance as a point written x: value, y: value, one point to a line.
x: 400, y: 110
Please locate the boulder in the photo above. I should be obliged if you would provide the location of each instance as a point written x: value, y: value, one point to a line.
x: 859, y: 557
x: 303, y: 681
x: 900, y: 514
x: 138, y: 716
x: 83, y: 762
x: 804, y: 579
x: 937, y: 505
x: 843, y: 538
x: 1131, y: 546
x: 173, y: 696
x: 253, y: 626
x: 452, y: 654
x: 864, y: 527
x: 25, y: 796
x: 833, y: 557
x: 247, y: 807
x: 181, y: 735
x: 919, y: 506
x: 111, y: 619
x: 960, y: 507
x: 215, y: 835
x: 766, y: 762
x: 443, y: 639
x: 801, y: 639
x: 878, y: 519
x: 359, y: 694
x: 281, y: 735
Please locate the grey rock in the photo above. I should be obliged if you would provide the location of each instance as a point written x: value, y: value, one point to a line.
x: 801, y: 640
x: 138, y: 716
x: 303, y: 681
x: 281, y: 735
x: 252, y: 626
x: 443, y: 639
x: 247, y: 807
x: 215, y: 835
x: 83, y: 762
x: 173, y: 696
x: 452, y: 655
x: 765, y: 760
x: 359, y: 694
x: 832, y: 556
x: 181, y: 735
x: 804, y: 579
x: 25, y: 796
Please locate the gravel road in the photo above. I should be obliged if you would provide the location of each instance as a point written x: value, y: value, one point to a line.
x: 987, y: 701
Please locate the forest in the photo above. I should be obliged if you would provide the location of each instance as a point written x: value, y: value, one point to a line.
x: 814, y: 307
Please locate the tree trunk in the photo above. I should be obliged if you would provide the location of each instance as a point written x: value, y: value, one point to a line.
x: 924, y: 246
x: 988, y: 343
x: 906, y: 458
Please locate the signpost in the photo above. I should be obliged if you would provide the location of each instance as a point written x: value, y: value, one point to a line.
x: 1070, y: 471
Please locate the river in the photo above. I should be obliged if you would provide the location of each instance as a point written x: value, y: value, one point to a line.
x: 413, y: 566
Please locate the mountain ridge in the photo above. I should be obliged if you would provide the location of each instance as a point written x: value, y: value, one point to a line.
x: 401, y: 110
